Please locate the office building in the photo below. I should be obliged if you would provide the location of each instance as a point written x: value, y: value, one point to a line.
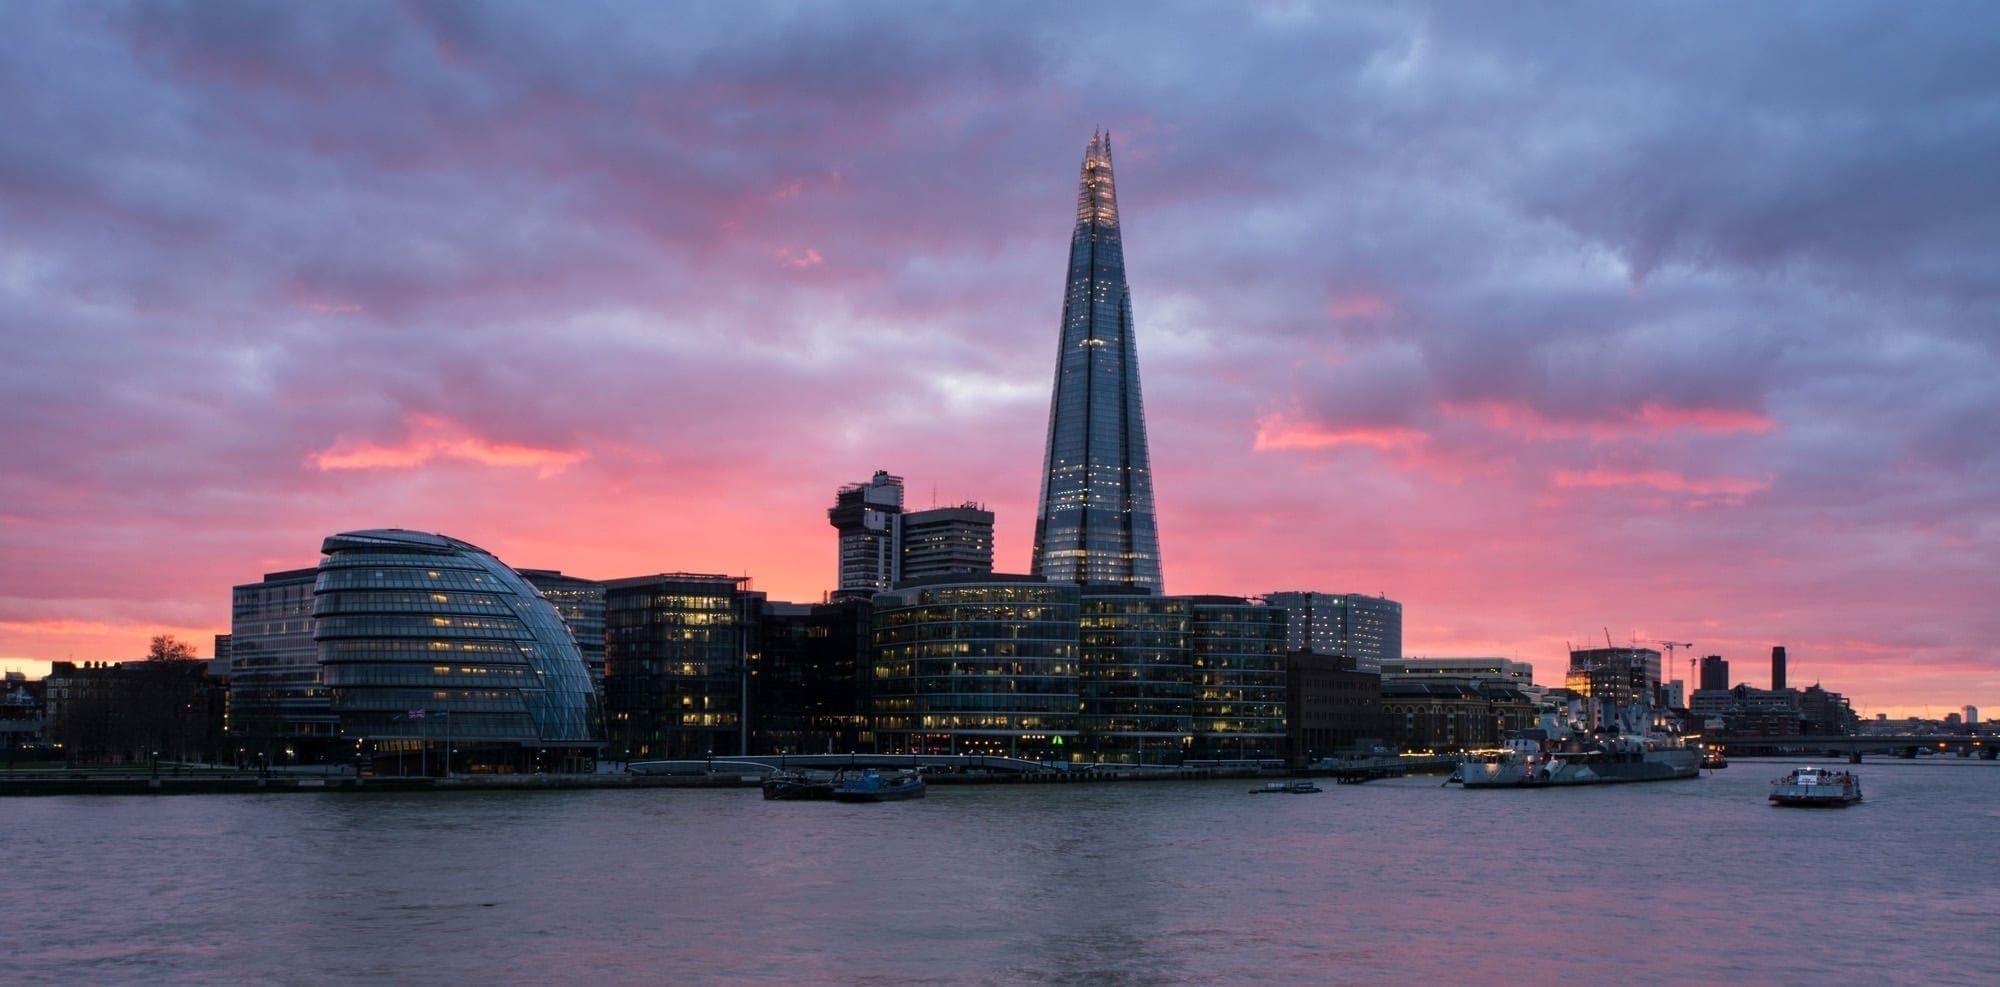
x: 1137, y: 682
x: 1714, y: 674
x: 135, y: 712
x: 947, y: 541
x: 430, y: 644
x: 1095, y: 524
x: 676, y: 664
x: 1450, y: 715
x: 1826, y: 714
x: 1502, y: 671
x: 869, y: 518
x: 1368, y: 629
x: 1613, y: 678
x: 1237, y: 649
x: 1330, y: 707
x: 985, y: 666
x: 1747, y: 711
x: 1778, y: 668
x: 809, y: 687
x: 279, y: 709
x: 21, y: 718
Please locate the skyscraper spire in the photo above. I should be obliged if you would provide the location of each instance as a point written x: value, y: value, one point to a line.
x: 1096, y: 197
x: 1096, y: 522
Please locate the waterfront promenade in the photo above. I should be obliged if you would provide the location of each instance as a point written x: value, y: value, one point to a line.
x: 696, y: 773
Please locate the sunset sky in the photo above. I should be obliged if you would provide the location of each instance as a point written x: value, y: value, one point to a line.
x: 1676, y: 320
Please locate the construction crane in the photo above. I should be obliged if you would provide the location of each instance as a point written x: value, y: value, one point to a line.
x: 1670, y: 646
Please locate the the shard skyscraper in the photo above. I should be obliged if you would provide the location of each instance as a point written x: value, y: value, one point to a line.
x: 1096, y: 523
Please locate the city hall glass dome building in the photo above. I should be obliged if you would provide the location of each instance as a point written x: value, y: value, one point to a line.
x: 428, y: 644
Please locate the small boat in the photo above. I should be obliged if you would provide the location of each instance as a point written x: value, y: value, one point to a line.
x: 873, y: 786
x: 798, y: 786
x: 1286, y: 788
x: 1816, y: 786
x: 1713, y: 758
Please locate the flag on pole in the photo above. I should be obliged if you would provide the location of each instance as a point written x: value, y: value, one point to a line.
x: 415, y: 714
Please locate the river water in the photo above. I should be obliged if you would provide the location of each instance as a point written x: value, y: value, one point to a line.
x: 1397, y: 881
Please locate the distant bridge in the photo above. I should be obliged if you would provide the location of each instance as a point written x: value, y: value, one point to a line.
x: 1901, y: 746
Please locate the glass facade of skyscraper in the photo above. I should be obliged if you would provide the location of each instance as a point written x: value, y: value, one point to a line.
x: 1096, y: 523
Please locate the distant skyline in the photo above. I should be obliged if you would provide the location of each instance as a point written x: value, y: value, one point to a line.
x: 1672, y: 320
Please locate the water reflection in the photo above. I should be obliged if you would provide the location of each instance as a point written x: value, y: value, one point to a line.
x: 1131, y: 883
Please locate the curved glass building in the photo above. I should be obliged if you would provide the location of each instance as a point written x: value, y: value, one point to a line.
x: 428, y: 643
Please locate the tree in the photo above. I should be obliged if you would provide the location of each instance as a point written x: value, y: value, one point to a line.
x: 166, y: 647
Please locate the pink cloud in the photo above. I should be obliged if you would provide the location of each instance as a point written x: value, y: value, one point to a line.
x: 1278, y: 433
x: 1357, y: 305
x: 799, y: 260
x: 432, y: 438
x: 1647, y: 419
x: 1658, y: 479
x: 1704, y: 419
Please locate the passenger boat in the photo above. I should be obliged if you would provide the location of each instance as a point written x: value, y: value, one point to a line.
x: 873, y: 786
x: 1816, y: 787
x: 1712, y: 758
x: 1286, y: 788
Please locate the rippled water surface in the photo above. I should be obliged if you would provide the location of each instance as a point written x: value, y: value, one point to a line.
x: 1396, y: 881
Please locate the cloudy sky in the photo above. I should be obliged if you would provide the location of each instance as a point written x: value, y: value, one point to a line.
x: 1672, y: 320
